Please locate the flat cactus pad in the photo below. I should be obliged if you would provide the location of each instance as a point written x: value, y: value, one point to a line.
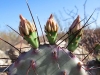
x: 47, y: 60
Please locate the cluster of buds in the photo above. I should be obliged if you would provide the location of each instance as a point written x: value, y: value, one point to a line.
x: 76, y: 25
x: 75, y: 34
x: 25, y: 26
x: 28, y: 32
x: 51, y: 29
x: 51, y: 25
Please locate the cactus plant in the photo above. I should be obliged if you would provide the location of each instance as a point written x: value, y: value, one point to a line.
x: 74, y: 38
x: 47, y: 59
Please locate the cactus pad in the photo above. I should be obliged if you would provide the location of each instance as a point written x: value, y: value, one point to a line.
x: 47, y: 60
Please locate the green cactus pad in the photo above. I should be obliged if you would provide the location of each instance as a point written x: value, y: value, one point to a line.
x: 74, y: 42
x: 47, y: 63
x: 97, y: 52
x: 32, y: 39
x: 51, y: 36
x: 97, y: 46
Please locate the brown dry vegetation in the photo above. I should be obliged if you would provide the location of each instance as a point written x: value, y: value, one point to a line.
x: 10, y: 37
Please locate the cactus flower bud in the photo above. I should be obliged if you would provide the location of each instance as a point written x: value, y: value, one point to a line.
x: 51, y: 29
x: 73, y: 38
x: 51, y: 25
x: 28, y: 31
x: 76, y: 25
x: 25, y: 26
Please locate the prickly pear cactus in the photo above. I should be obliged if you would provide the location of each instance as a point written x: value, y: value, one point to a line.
x: 47, y: 59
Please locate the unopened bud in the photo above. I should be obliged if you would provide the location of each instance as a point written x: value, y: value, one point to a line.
x: 76, y: 25
x: 25, y: 27
x: 51, y: 25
